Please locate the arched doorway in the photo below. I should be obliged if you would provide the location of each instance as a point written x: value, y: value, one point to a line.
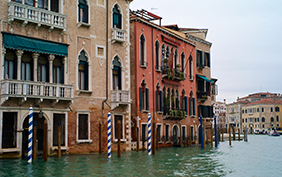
x: 40, y: 132
x: 175, y: 135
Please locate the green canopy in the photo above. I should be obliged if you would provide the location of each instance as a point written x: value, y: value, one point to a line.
x: 34, y: 45
x: 205, y: 78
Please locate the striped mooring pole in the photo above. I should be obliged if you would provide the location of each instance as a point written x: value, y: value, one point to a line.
x: 30, y: 134
x: 149, y: 134
x: 202, y: 138
x: 109, y: 136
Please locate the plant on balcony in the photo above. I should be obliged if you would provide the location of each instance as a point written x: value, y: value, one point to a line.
x: 168, y: 73
x: 171, y: 112
x: 165, y: 60
x: 178, y: 66
x: 179, y: 113
x: 173, y: 75
x: 204, y: 96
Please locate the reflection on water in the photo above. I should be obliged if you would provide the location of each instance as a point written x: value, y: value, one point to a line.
x: 260, y: 156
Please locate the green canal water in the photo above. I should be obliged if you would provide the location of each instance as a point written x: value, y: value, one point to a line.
x: 260, y: 156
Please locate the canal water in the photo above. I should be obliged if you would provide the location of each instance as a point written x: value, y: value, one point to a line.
x: 260, y: 156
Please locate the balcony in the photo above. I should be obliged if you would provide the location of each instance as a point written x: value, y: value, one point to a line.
x: 29, y: 14
x: 202, y: 96
x: 25, y: 90
x: 173, y: 74
x: 118, y: 35
x: 174, y: 114
x: 119, y: 98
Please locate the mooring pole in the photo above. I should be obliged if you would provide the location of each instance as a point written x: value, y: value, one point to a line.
x: 34, y: 152
x: 154, y: 137
x: 109, y: 136
x: 30, y: 134
x: 215, y: 132
x: 59, y: 139
x: 45, y: 141
x: 119, y: 137
x: 149, y: 134
x: 222, y: 134
x: 204, y: 136
x: 239, y: 134
x: 246, y: 132
x: 201, y: 131
x: 190, y: 136
x: 157, y: 138
x: 180, y: 137
x: 218, y: 138
x: 233, y: 130
x: 138, y: 139
x: 229, y: 135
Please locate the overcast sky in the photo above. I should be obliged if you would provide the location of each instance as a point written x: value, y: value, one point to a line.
x: 246, y: 53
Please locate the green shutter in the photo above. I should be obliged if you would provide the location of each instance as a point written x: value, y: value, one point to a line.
x: 161, y: 100
x: 147, y: 98
x: 186, y: 108
x: 140, y: 99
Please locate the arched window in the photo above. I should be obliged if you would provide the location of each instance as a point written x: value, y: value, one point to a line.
x: 190, y: 67
x: 183, y: 62
x: 142, y: 51
x: 117, y: 17
x: 177, y: 99
x: 43, y: 68
x: 10, y: 66
x: 157, y: 55
x: 276, y: 109
x: 163, y: 54
x: 164, y: 101
x: 26, y: 67
x: 58, y: 70
x: 82, y: 11
x: 159, y: 99
x: 168, y: 98
x: 262, y: 119
x: 271, y: 119
x: 82, y: 71
x: 172, y: 99
x: 271, y: 109
x: 175, y: 58
x: 277, y: 118
x: 167, y: 52
x: 143, y: 97
x: 116, y: 74
x: 191, y: 104
x: 262, y: 109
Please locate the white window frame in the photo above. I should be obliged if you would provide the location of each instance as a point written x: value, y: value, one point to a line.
x: 104, y: 48
x: 77, y: 127
x: 146, y: 133
x: 123, y: 128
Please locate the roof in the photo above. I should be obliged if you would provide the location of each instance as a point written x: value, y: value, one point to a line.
x: 266, y: 101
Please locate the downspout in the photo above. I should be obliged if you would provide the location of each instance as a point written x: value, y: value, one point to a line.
x: 107, y: 36
x: 154, y: 120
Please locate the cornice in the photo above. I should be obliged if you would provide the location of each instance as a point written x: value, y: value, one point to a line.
x: 193, y: 38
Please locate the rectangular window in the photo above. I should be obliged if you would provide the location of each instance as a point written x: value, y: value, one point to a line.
x: 207, y: 59
x: 9, y: 131
x: 144, y: 132
x: 199, y: 58
x: 59, y: 119
x: 116, y: 119
x: 55, y: 5
x: 100, y: 51
x: 83, y: 127
x: 82, y: 11
x: 183, y: 133
x: 159, y: 132
x: 192, y: 133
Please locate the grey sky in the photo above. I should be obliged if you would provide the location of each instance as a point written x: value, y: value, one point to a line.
x: 246, y: 54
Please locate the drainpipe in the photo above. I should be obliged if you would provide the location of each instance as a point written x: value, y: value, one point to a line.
x: 154, y: 119
x: 107, y: 36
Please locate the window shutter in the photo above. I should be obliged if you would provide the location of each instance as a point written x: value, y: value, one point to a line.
x: 147, y: 99
x: 140, y: 99
x: 119, y: 21
x: 190, y: 110
x: 62, y: 74
x: 181, y: 104
x: 194, y: 112
x: 86, y: 76
x: 119, y: 78
x: 157, y: 100
x: 197, y: 62
x: 161, y: 101
x: 85, y: 14
x: 199, y: 110
x: 186, y: 109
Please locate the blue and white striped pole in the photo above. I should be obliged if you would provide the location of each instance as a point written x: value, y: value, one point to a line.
x: 109, y: 136
x: 149, y: 134
x: 30, y: 134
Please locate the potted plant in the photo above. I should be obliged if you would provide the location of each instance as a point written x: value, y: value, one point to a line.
x: 168, y: 73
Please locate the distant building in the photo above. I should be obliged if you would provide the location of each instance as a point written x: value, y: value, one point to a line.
x: 260, y: 115
x: 219, y: 107
x: 221, y: 120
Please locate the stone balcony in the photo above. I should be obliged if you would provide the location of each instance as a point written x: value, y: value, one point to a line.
x: 38, y: 91
x: 119, y: 98
x: 118, y: 35
x: 29, y: 14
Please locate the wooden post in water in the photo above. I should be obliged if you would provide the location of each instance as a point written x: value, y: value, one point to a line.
x: 239, y: 134
x: 119, y: 136
x: 59, y: 139
x: 34, y: 146
x: 211, y: 136
x: 233, y: 130
x: 217, y: 135
x: 100, y: 137
x: 180, y: 137
x: 229, y: 135
x: 244, y: 134
x: 222, y: 134
x: 45, y: 141
x: 138, y: 139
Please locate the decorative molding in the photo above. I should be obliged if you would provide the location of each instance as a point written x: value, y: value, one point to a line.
x: 193, y: 38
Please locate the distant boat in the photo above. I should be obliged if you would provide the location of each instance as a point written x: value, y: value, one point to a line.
x: 273, y: 132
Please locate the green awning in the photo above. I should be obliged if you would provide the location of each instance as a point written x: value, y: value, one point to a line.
x: 34, y: 45
x: 206, y: 79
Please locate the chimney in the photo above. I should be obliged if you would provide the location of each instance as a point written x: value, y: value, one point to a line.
x: 224, y: 101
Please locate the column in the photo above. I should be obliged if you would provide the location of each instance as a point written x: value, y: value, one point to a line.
x: 19, y: 54
x: 51, y: 59
x: 65, y: 69
x: 3, y: 64
x: 35, y: 58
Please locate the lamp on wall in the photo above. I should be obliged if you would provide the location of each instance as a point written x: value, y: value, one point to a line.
x: 40, y: 114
